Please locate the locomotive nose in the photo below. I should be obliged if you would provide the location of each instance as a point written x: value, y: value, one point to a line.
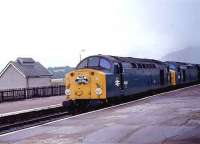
x: 85, y: 84
x: 79, y: 85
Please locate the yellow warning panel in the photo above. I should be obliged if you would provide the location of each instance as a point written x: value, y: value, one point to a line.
x: 173, y: 77
x: 85, y: 84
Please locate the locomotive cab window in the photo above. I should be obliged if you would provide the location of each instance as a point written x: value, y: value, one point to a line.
x: 83, y: 64
x: 93, y: 62
x: 105, y: 64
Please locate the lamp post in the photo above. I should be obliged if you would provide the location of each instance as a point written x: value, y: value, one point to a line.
x: 82, y: 50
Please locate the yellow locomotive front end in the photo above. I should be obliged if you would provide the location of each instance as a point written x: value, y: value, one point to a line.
x: 85, y: 85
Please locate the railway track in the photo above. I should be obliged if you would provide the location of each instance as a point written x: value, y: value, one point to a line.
x: 23, y: 120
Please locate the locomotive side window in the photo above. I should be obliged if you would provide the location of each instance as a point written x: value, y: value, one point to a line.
x: 83, y: 64
x: 134, y: 65
x: 139, y: 65
x: 93, y: 62
x: 127, y: 65
x: 105, y: 64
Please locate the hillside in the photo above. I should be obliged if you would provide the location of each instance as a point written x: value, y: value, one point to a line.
x: 59, y: 72
x: 190, y: 55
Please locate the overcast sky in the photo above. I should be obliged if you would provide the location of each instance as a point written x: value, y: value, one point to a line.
x: 54, y: 31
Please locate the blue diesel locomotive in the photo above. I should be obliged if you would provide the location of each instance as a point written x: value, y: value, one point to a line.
x: 101, y: 78
x: 184, y: 72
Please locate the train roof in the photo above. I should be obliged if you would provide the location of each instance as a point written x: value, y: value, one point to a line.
x: 137, y: 62
x: 131, y: 60
x: 181, y: 63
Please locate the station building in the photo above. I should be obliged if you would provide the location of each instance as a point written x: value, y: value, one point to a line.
x: 24, y: 73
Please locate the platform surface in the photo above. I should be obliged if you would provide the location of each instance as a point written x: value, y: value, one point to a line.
x: 29, y: 104
x: 172, y: 118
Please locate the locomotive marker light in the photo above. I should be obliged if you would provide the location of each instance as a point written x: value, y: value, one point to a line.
x: 67, y: 92
x: 98, y: 91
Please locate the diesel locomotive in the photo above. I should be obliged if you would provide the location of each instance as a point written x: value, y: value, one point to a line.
x: 101, y: 78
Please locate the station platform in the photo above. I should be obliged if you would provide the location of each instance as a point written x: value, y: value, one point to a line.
x: 168, y: 118
x: 16, y: 107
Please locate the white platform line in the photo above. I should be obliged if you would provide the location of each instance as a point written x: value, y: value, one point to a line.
x: 6, y: 134
x: 29, y: 110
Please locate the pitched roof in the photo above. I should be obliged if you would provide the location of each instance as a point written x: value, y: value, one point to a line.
x: 29, y: 68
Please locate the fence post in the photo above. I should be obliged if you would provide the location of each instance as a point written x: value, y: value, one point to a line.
x: 58, y: 90
x: 27, y: 93
x: 13, y: 94
x: 51, y: 91
x: 2, y: 96
x: 63, y: 90
x: 24, y: 93
x: 34, y: 92
x: 58, y: 87
x: 1, y: 93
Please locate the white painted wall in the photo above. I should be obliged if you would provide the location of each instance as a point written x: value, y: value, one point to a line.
x: 39, y: 82
x: 55, y: 82
x: 12, y: 79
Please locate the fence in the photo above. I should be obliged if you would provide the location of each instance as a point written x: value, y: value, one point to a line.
x: 27, y: 93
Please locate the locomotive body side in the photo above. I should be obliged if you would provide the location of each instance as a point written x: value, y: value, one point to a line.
x: 184, y: 73
x: 100, y: 78
x: 139, y: 79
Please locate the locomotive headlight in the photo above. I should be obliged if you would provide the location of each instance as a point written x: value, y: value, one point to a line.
x: 98, y: 91
x: 67, y: 92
